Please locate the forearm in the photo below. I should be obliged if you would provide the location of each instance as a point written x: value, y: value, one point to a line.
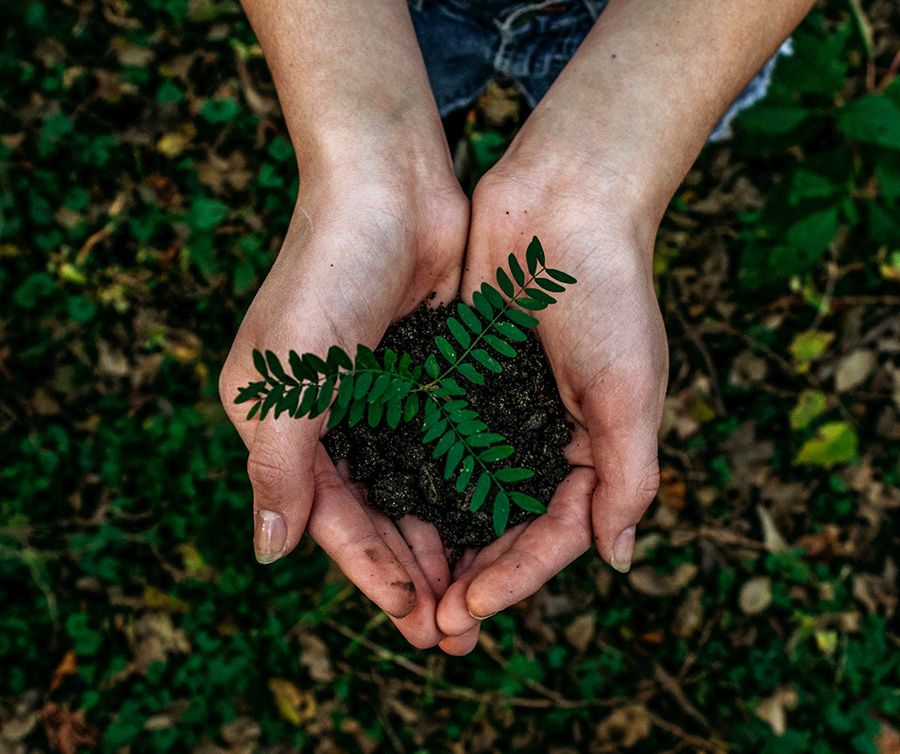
x: 646, y: 87
x: 350, y: 79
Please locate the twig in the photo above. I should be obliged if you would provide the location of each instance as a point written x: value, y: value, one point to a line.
x: 699, y: 743
x: 695, y: 338
x: 865, y: 27
x: 671, y: 685
x: 490, y: 648
x: 446, y: 689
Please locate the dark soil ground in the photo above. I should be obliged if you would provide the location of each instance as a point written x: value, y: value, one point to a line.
x: 522, y: 403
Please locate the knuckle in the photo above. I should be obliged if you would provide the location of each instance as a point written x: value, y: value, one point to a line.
x: 230, y: 379
x: 267, y: 471
x: 369, y: 544
x: 575, y: 523
x: 424, y: 640
x: 226, y: 388
x: 649, y: 484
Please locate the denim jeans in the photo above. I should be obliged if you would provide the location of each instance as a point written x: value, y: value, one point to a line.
x: 466, y: 43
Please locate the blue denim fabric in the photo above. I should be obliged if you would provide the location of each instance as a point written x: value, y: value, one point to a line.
x: 468, y: 42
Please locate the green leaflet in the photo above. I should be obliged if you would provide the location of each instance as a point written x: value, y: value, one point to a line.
x: 459, y: 333
x: 513, y: 474
x: 517, y: 272
x: 501, y: 512
x: 445, y: 348
x: 521, y: 318
x: 486, y: 360
x: 504, y: 282
x: 259, y: 361
x: 482, y: 305
x: 393, y: 413
x: 482, y: 486
x: 454, y: 456
x: 470, y: 373
x: 527, y: 502
x: 493, y: 296
x: 500, y: 346
x: 363, y: 383
x: 277, y: 370
x: 465, y: 473
x: 534, y: 255
x: 469, y: 318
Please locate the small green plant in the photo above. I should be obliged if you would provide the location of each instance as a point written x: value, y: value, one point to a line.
x: 396, y: 389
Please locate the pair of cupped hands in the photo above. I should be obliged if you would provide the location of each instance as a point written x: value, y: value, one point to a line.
x: 371, y: 238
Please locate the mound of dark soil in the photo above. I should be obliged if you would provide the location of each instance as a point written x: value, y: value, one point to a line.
x: 522, y: 403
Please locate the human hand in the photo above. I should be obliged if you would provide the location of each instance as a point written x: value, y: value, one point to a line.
x: 367, y: 243
x: 606, y: 346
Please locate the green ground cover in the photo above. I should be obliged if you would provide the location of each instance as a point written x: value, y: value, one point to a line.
x: 144, y: 179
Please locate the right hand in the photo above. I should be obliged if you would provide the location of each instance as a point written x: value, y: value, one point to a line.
x: 366, y: 245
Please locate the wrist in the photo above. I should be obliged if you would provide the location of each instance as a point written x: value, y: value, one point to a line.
x: 567, y: 161
x: 563, y: 195
x: 376, y: 154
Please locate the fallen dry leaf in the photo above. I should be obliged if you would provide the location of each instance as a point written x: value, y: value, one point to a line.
x: 67, y: 731
x: 153, y: 637
x: 647, y: 580
x: 888, y: 741
x: 672, y: 488
x: 773, y: 709
x: 625, y: 726
x: 17, y: 723
x: 689, y: 616
x: 756, y: 595
x: 772, y: 538
x: 67, y: 666
x: 580, y: 632
x: 314, y: 656
x: 295, y: 706
x: 854, y: 369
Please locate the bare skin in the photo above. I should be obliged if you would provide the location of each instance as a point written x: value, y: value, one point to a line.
x: 590, y: 173
x: 380, y: 224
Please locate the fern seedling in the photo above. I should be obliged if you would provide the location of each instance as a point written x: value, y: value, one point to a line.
x: 395, y: 390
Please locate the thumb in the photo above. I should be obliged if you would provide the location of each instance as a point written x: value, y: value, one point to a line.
x: 280, y: 466
x: 627, y: 467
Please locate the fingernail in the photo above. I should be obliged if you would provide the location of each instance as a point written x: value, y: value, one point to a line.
x: 482, y: 617
x: 270, y: 537
x: 623, y: 550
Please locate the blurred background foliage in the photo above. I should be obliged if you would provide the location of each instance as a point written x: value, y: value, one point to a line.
x: 145, y: 179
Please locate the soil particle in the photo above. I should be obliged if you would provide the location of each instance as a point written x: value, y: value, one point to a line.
x: 522, y: 403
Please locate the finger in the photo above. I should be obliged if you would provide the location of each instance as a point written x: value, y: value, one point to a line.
x: 418, y: 627
x: 428, y: 550
x: 421, y: 537
x: 578, y: 451
x: 625, y: 460
x: 465, y: 562
x: 548, y: 545
x: 461, y: 645
x: 343, y: 529
x: 280, y: 467
x: 453, y: 617
x: 357, y: 488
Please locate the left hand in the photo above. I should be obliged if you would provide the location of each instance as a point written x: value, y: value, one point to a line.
x: 607, y: 348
